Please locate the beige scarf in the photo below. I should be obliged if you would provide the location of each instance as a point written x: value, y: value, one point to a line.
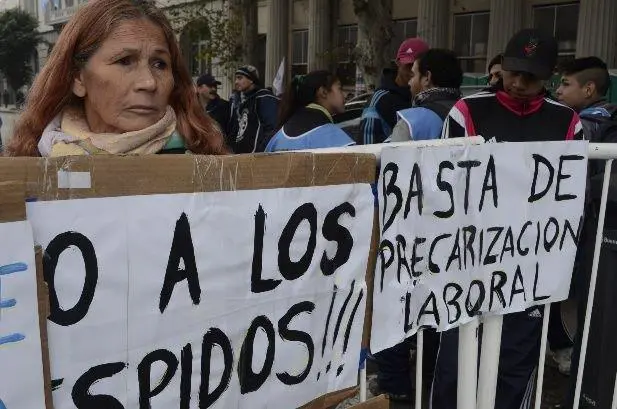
x: 75, y: 137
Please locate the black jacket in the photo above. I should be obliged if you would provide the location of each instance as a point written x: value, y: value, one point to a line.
x: 500, y: 118
x: 253, y: 120
x: 387, y: 100
x: 220, y: 110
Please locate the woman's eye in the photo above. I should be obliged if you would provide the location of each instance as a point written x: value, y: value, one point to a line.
x: 124, y: 61
x: 160, y: 64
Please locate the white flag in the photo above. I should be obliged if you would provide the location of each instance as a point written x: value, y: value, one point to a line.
x: 277, y: 83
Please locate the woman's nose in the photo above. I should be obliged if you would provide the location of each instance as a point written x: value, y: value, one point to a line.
x: 145, y: 81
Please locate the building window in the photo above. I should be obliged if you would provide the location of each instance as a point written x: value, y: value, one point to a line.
x: 299, y: 52
x: 194, y: 45
x: 347, y: 40
x: 560, y: 21
x: 471, y: 40
x: 199, y: 63
x: 346, y: 67
x: 402, y: 29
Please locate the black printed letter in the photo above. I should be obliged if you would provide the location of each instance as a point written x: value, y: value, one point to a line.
x: 537, y: 297
x: 81, y: 390
x: 518, y: 277
x: 298, y: 336
x: 431, y: 299
x: 388, y: 189
x: 333, y: 231
x: 445, y: 187
x: 258, y: 284
x: 472, y: 309
x: 551, y: 171
x: 561, y: 176
x: 292, y: 270
x: 385, y: 245
x: 186, y: 374
x: 490, y: 172
x: 416, y: 178
x: 143, y: 375
x: 181, y: 249
x: 453, y: 301
x: 56, y: 247
x: 496, y: 289
x: 249, y: 380
x: 213, y: 337
x: 468, y: 164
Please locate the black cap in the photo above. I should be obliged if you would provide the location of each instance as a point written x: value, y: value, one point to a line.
x: 249, y: 72
x: 207, y: 79
x: 532, y: 51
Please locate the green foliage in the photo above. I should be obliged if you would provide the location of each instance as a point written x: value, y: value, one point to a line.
x: 18, y: 40
x: 221, y: 30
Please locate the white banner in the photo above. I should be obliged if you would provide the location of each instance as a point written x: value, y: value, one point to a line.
x: 243, y: 299
x: 466, y: 230
x: 21, y: 363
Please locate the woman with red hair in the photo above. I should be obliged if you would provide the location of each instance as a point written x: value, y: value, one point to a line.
x: 115, y: 83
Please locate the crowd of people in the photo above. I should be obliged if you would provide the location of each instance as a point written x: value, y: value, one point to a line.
x: 116, y: 83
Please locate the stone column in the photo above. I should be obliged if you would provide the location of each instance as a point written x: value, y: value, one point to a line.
x: 597, y: 30
x: 433, y: 22
x: 277, y: 38
x: 320, y: 35
x: 505, y: 20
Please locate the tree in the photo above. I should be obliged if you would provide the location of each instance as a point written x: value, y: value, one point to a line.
x: 374, y: 37
x: 229, y: 28
x: 18, y: 40
x: 245, y: 12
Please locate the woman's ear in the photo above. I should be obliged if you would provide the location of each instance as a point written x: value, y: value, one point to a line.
x: 79, y: 88
x: 322, y: 93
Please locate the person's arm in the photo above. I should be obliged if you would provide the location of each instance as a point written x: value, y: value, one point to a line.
x: 387, y: 109
x: 458, y: 123
x: 400, y: 133
x: 267, y: 110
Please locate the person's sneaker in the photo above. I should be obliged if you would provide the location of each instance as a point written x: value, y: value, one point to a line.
x: 407, y: 398
x: 373, y: 386
x: 563, y: 359
x: 375, y: 390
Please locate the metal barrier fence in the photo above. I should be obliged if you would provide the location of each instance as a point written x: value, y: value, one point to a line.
x: 477, y: 388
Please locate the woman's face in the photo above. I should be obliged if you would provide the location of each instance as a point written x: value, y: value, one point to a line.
x: 335, y: 99
x: 127, y: 82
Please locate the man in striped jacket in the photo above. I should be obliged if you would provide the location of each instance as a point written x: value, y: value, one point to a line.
x: 517, y: 110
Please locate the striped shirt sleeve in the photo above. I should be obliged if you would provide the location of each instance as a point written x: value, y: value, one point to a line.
x: 458, y: 123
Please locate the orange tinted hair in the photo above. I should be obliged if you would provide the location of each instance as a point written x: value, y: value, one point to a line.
x: 78, y: 41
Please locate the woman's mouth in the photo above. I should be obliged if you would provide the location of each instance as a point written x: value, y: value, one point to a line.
x: 142, y: 109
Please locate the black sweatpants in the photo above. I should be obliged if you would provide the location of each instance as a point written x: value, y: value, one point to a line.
x: 520, y: 351
x: 394, y: 369
x: 601, y: 359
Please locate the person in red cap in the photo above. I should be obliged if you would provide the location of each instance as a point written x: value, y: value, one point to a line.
x: 393, y: 94
x: 378, y: 121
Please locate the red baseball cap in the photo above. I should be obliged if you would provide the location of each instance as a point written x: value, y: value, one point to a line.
x: 410, y: 49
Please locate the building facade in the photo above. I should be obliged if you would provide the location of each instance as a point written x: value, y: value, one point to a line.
x: 311, y: 34
x: 476, y: 29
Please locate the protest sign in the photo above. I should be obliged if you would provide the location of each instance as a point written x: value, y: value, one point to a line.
x: 22, y: 384
x: 221, y: 282
x: 467, y: 230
